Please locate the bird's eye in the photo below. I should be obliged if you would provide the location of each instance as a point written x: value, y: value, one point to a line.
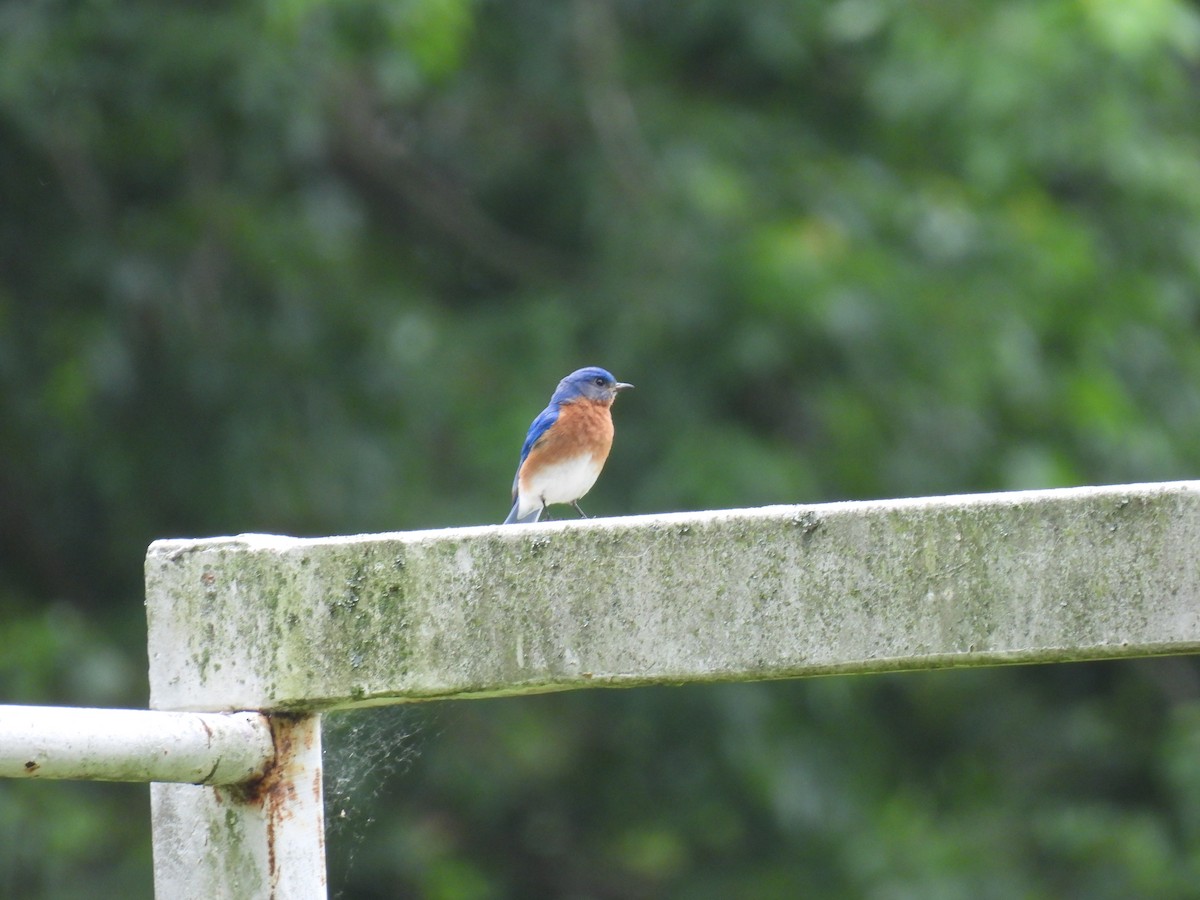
x: 598, y: 381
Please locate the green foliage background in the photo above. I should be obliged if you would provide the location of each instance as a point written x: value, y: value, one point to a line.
x: 311, y: 267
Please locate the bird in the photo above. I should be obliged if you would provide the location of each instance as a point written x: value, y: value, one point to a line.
x: 566, y: 445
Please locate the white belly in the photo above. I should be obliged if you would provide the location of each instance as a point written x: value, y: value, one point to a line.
x: 560, y: 482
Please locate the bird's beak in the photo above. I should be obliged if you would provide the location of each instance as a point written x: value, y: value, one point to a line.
x: 621, y: 386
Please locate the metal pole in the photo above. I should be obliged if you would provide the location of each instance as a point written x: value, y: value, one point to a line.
x: 134, y: 745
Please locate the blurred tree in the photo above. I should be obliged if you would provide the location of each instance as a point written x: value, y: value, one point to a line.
x: 311, y: 267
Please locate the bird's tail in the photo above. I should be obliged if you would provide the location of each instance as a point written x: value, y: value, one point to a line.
x: 527, y: 519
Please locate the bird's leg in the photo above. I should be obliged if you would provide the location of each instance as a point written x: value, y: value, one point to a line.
x: 575, y: 503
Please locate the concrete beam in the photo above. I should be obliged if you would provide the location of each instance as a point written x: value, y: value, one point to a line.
x: 262, y: 622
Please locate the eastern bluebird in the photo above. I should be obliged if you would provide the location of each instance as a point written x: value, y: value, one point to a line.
x: 567, y: 444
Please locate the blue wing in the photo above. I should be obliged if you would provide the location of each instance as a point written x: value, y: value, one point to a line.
x: 539, y: 427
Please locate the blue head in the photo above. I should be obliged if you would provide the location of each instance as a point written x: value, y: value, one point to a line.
x: 591, y: 383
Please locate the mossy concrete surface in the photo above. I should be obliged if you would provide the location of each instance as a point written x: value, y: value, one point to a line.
x: 265, y: 622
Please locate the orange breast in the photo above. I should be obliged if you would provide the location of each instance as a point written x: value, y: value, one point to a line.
x: 583, y: 427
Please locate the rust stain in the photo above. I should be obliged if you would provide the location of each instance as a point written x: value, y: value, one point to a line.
x: 276, y: 793
x: 317, y: 788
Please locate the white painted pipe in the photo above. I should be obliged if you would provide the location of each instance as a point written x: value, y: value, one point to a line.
x: 133, y: 745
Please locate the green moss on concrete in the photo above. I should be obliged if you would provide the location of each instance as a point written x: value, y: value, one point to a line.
x: 710, y: 596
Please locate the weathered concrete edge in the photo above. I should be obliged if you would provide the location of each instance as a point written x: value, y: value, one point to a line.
x: 1168, y: 510
x: 263, y: 541
x: 928, y: 663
